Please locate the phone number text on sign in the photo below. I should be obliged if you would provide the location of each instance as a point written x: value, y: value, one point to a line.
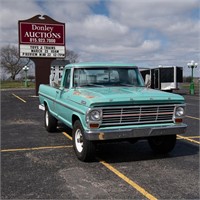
x: 42, y: 40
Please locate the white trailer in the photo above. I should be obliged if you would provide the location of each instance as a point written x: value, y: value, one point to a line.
x: 166, y: 78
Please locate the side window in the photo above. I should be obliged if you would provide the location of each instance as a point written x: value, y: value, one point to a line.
x: 67, y: 78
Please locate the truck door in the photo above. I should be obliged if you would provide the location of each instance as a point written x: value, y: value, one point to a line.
x: 63, y: 97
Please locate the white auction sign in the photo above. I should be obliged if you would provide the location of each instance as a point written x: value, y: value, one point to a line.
x: 42, y: 51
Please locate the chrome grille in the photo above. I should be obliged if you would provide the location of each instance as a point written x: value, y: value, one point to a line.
x: 137, y: 115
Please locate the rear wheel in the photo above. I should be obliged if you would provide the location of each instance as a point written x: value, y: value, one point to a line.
x: 84, y: 149
x: 162, y: 144
x: 50, y: 122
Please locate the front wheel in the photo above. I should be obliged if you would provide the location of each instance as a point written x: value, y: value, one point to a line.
x: 84, y: 149
x: 162, y: 144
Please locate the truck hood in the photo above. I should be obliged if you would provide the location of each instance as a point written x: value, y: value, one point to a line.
x: 123, y: 95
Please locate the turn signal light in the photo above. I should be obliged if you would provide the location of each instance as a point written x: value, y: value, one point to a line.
x: 94, y: 125
x: 178, y: 120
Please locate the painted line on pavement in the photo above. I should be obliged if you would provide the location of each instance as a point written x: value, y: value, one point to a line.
x: 192, y: 117
x: 188, y: 139
x: 122, y: 176
x: 35, y: 148
x: 18, y: 97
x: 192, y: 137
x: 129, y: 181
x: 67, y: 135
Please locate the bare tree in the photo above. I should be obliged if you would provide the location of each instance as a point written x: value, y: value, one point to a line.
x: 11, y: 61
x: 71, y: 56
x: 12, y: 64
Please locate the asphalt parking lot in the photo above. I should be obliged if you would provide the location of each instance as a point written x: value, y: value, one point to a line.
x: 38, y: 165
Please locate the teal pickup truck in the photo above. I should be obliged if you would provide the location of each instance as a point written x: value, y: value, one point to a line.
x: 106, y: 102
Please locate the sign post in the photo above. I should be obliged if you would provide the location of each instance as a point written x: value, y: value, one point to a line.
x: 42, y: 39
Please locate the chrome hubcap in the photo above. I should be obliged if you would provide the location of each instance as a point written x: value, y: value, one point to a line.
x: 79, y: 140
x: 47, y: 118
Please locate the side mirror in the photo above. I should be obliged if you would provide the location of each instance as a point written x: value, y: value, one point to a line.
x: 62, y: 89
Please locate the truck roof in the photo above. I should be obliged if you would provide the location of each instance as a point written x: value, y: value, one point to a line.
x: 99, y: 64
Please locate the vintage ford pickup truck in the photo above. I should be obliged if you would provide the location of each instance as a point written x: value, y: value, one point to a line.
x: 106, y: 102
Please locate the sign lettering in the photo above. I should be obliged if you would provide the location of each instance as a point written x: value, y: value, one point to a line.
x: 42, y: 51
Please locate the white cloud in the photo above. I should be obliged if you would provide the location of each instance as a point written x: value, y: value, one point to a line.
x: 99, y: 30
x: 69, y: 11
x: 151, y: 31
x: 170, y: 23
x: 156, y: 13
x: 12, y: 11
x: 149, y: 45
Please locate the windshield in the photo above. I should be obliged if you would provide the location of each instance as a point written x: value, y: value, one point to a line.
x: 106, y: 77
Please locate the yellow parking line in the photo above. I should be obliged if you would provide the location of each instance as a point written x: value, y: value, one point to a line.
x: 187, y: 138
x: 192, y: 117
x: 67, y: 135
x: 123, y: 177
x: 193, y: 137
x: 129, y: 181
x: 35, y: 148
x: 18, y: 97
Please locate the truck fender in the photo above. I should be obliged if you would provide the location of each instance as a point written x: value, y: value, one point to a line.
x: 47, y: 105
x: 75, y: 117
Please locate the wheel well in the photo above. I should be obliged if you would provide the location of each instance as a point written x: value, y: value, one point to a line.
x: 45, y: 104
x: 74, y: 118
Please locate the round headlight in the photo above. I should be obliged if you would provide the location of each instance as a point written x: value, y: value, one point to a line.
x: 95, y: 115
x: 180, y: 111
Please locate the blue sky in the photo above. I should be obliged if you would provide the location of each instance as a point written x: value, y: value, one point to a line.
x: 100, y: 8
x: 147, y: 33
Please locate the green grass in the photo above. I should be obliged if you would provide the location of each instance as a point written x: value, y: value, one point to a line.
x: 187, y: 86
x: 21, y: 84
x: 16, y: 84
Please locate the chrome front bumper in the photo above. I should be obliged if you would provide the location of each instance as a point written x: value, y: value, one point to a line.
x: 110, y: 134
